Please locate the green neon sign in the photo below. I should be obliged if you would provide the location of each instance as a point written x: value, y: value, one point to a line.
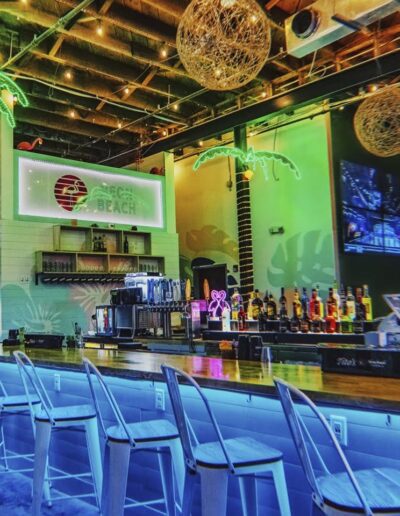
x: 251, y: 158
x: 9, y: 85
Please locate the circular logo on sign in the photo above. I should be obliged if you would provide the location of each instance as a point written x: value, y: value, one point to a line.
x: 68, y: 190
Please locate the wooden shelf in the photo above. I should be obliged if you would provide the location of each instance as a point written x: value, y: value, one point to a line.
x: 73, y: 258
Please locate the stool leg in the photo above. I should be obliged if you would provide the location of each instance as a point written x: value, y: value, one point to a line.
x: 214, y: 491
x: 93, y: 444
x: 248, y: 495
x: 117, y: 478
x: 188, y: 492
x: 3, y: 444
x: 106, y: 475
x: 178, y: 463
x: 167, y: 480
x: 281, y: 487
x: 42, y: 443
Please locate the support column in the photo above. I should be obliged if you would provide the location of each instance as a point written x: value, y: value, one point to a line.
x: 245, y: 237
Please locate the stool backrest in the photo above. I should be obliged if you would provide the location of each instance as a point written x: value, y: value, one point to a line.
x: 186, y: 432
x: 304, y: 443
x: 91, y: 369
x: 32, y: 383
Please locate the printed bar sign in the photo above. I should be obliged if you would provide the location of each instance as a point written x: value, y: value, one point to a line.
x: 63, y: 191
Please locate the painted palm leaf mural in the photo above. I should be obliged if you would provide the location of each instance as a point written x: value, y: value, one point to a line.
x: 251, y: 158
x: 9, y: 85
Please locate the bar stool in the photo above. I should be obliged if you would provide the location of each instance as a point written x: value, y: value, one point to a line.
x: 49, y: 418
x: 242, y: 457
x: 14, y: 405
x: 369, y: 491
x: 159, y: 435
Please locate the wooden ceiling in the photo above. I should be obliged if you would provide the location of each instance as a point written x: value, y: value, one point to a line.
x: 111, y: 79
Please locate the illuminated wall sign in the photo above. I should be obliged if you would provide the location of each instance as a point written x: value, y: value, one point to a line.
x: 62, y: 191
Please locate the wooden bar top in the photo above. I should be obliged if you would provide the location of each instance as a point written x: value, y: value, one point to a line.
x: 243, y: 376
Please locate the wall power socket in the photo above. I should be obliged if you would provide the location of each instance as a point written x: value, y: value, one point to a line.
x: 160, y: 399
x: 339, y: 427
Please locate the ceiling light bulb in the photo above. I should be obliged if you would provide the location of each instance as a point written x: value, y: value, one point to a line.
x: 15, y: 99
x: 126, y: 90
x: 251, y: 133
x: 164, y: 53
x: 176, y: 107
x: 164, y: 133
x: 217, y: 72
x: 68, y: 75
x: 201, y: 143
x: 119, y: 125
x: 228, y: 3
x: 72, y: 113
x: 264, y: 94
x: 99, y: 30
x: 248, y: 174
x: 253, y: 18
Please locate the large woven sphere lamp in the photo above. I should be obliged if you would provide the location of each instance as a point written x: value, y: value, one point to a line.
x: 377, y: 123
x: 223, y: 44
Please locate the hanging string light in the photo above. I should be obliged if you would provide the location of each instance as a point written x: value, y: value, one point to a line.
x: 223, y: 44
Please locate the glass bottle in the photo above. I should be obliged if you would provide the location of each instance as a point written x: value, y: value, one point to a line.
x: 367, y: 301
x: 295, y: 320
x: 351, y: 304
x: 265, y: 301
x: 271, y: 308
x: 330, y: 319
x: 256, y: 305
x: 126, y: 245
x: 236, y: 300
x: 315, y: 312
x: 250, y: 306
x: 321, y: 307
x: 242, y: 324
x: 283, y: 313
x: 360, y: 316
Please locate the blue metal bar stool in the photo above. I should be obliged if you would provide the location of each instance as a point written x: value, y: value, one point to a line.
x: 14, y: 405
x: 369, y: 491
x: 243, y: 457
x: 49, y: 418
x: 159, y: 435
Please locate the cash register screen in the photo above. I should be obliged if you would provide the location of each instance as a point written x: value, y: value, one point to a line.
x: 393, y: 300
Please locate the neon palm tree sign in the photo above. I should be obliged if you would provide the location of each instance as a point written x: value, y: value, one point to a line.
x: 9, y: 85
x: 251, y: 158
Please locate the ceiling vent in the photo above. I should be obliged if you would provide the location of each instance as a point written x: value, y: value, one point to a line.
x: 326, y: 21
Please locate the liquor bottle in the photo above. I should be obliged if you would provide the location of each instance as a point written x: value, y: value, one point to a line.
x: 351, y: 304
x: 346, y: 322
x: 271, y: 308
x: 226, y: 319
x: 367, y: 301
x: 296, y: 304
x: 126, y: 245
x: 262, y: 320
x: 336, y: 297
x: 321, y: 304
x: 343, y: 301
x: 242, y: 325
x: 283, y: 313
x: 295, y: 320
x: 315, y: 312
x: 330, y: 319
x: 265, y: 301
x: 305, y: 323
x: 95, y: 244
x: 236, y: 300
x: 360, y: 317
x: 305, y: 302
x: 250, y: 306
x: 331, y: 303
x: 256, y: 305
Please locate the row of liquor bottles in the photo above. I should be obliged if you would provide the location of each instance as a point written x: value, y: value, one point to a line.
x: 342, y: 312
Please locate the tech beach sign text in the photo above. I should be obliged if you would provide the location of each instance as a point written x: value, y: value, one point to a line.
x: 65, y: 190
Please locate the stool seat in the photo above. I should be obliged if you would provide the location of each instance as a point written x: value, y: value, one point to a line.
x: 243, y: 452
x: 16, y: 401
x: 144, y: 431
x: 381, y: 487
x: 70, y: 413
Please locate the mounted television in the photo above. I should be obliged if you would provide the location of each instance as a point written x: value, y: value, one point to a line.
x: 370, y: 210
x: 215, y: 274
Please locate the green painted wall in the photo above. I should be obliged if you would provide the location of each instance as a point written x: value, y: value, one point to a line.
x: 304, y: 254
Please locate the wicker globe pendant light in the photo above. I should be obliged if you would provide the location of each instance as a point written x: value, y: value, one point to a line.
x: 377, y: 123
x: 223, y: 44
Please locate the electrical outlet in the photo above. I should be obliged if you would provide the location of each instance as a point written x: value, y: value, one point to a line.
x: 57, y: 382
x: 160, y: 399
x: 339, y: 427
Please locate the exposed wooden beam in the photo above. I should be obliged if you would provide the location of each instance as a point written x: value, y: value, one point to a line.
x: 132, y: 21
x: 170, y: 7
x: 60, y: 123
x: 272, y: 3
x: 107, y: 43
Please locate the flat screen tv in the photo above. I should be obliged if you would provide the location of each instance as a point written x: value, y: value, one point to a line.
x: 370, y: 209
x: 216, y: 275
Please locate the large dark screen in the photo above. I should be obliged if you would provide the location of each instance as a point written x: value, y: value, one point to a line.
x: 371, y: 210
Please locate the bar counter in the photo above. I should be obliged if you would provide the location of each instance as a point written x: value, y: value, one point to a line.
x: 370, y: 393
